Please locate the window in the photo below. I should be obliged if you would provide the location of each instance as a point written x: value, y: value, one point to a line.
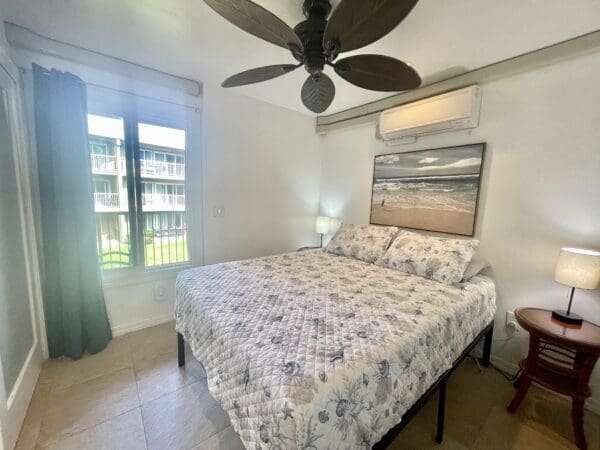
x: 99, y: 148
x: 144, y: 223
x: 101, y: 186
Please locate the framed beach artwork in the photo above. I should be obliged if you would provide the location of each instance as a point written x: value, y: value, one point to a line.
x: 435, y: 190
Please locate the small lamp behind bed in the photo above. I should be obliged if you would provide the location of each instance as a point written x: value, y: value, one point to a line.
x: 576, y: 268
x: 323, y: 226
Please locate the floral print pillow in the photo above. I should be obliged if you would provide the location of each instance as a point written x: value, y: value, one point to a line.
x: 367, y: 242
x: 439, y: 259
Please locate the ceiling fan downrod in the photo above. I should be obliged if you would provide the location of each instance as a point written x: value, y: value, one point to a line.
x: 311, y: 32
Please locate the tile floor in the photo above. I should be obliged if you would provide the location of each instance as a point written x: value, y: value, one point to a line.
x: 133, y: 396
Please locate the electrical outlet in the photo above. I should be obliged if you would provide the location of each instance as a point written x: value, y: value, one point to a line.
x: 511, y: 322
x: 160, y: 292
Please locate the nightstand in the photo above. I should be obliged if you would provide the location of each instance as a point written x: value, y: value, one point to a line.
x: 561, y: 358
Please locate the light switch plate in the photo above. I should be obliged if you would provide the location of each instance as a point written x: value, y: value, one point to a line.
x: 219, y: 211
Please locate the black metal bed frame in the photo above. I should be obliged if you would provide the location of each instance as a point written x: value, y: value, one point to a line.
x: 486, y: 334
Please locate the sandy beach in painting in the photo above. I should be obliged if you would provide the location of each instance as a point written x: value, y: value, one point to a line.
x: 424, y: 219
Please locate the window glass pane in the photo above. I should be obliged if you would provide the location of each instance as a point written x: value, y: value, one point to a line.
x: 107, y: 156
x: 164, y: 208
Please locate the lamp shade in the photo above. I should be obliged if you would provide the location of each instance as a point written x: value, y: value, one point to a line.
x: 578, y: 268
x: 322, y: 225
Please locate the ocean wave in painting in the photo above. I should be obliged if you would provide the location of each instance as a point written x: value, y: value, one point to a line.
x: 456, y: 193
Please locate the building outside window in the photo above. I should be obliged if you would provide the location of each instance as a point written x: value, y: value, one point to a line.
x: 159, y: 206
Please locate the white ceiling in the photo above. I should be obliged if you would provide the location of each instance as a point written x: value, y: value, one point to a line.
x: 439, y: 38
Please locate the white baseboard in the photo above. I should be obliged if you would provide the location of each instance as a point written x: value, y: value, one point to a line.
x: 120, y: 330
x: 591, y: 404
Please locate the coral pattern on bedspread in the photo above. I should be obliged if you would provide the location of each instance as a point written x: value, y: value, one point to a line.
x: 309, y: 350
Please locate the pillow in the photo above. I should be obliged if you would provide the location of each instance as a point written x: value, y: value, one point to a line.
x: 367, y: 243
x: 477, y: 264
x: 439, y: 259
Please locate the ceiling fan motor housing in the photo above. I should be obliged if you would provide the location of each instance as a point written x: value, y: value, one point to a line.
x: 311, y: 33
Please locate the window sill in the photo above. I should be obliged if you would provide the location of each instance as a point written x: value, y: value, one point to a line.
x: 139, y: 275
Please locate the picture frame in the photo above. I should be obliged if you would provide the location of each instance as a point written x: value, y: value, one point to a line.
x: 434, y: 189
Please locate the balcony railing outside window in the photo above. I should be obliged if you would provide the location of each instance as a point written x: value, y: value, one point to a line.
x: 162, y: 169
x: 104, y: 201
x: 165, y: 238
x: 163, y: 200
x: 103, y: 163
x: 112, y: 233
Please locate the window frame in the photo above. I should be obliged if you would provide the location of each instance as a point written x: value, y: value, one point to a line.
x: 135, y: 110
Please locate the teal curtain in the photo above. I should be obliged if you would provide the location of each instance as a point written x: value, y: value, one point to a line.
x: 74, y: 307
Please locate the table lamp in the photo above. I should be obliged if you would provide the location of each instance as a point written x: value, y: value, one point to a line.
x: 322, y: 226
x: 576, y: 268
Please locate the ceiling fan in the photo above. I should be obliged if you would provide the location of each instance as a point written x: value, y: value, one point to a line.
x: 317, y: 42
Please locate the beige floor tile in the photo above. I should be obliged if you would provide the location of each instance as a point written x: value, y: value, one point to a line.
x: 66, y: 372
x: 183, y: 418
x: 227, y: 439
x: 543, y: 410
x: 149, y: 342
x: 471, y: 395
x: 420, y: 434
x: 124, y: 432
x: 94, y: 403
x: 503, y: 431
x: 84, y: 405
x: 161, y: 375
x: 30, y: 429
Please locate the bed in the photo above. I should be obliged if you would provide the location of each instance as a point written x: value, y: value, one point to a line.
x: 312, y: 350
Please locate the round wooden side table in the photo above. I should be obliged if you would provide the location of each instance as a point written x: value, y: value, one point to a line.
x: 561, y: 358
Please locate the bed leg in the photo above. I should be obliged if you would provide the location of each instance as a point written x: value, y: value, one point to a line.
x: 441, y: 411
x: 180, y: 350
x: 487, y: 348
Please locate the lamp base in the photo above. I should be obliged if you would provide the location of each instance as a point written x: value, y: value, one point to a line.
x: 570, y: 318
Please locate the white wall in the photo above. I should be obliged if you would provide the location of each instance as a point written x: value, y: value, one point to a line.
x: 541, y: 185
x: 262, y: 164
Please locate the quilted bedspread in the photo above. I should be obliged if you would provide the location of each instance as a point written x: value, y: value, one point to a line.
x: 310, y: 350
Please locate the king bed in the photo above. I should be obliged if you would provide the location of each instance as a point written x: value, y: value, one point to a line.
x: 314, y: 350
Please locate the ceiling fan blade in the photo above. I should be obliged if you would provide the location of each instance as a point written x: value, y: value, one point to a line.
x: 258, y: 21
x: 356, y: 23
x: 257, y: 75
x: 318, y: 92
x: 378, y: 73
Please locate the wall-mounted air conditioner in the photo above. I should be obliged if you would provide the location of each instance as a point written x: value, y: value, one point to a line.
x: 456, y: 110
